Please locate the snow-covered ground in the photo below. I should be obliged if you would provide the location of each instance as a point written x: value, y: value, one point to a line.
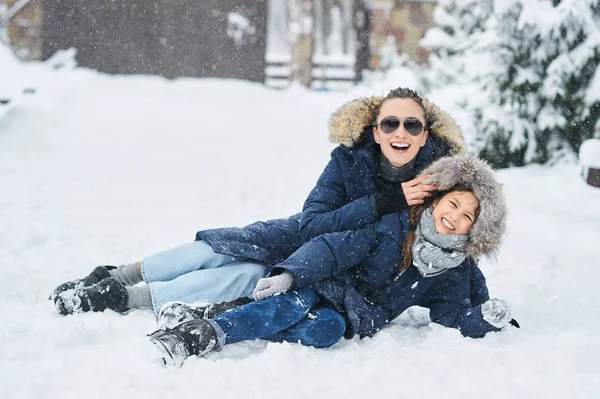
x: 101, y: 169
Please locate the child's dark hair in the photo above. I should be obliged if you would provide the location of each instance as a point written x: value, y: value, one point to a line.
x: 414, y: 216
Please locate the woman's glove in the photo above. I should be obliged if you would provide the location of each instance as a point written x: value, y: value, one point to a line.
x: 496, y: 312
x: 397, y: 197
x: 273, y: 285
x: 390, y: 200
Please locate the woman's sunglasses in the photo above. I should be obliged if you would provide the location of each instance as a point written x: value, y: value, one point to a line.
x: 390, y: 123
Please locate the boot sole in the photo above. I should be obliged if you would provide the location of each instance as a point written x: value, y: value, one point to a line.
x: 168, y: 358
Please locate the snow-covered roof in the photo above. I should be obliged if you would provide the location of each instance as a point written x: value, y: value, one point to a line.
x: 589, y: 153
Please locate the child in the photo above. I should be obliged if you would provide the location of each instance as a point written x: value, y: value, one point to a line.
x: 356, y: 281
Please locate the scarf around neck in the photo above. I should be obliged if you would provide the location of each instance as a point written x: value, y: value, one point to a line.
x: 434, y: 253
x: 395, y: 174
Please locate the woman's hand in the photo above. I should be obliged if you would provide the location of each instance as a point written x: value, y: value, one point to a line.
x: 415, y: 192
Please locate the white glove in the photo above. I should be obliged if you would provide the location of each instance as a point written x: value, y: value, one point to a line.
x: 496, y: 312
x: 273, y: 285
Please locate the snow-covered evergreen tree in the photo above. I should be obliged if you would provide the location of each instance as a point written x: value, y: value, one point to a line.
x: 529, y: 74
x: 572, y: 54
x: 506, y: 114
x: 456, y: 21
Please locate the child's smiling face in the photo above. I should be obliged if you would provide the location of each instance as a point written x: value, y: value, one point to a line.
x: 455, y: 212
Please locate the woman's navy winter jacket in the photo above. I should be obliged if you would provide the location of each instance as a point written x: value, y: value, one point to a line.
x: 344, y: 196
x: 357, y: 273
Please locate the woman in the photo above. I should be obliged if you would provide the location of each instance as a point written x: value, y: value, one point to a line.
x: 356, y: 281
x: 370, y: 174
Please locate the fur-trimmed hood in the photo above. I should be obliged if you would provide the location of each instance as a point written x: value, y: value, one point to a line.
x: 487, y: 231
x: 347, y: 124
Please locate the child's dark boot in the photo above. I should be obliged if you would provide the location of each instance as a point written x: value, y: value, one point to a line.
x: 173, y: 314
x: 194, y: 337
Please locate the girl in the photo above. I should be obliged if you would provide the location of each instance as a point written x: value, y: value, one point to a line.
x: 373, y: 280
x: 370, y: 174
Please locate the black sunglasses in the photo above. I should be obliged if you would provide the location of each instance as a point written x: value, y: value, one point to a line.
x: 390, y: 123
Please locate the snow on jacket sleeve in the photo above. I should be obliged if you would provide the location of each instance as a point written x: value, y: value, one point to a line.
x: 479, y: 290
x: 326, y: 211
x: 449, y: 305
x: 328, y: 255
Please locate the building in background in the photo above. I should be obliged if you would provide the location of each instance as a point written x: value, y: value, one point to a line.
x: 398, y: 25
x: 318, y: 43
x: 323, y: 44
x: 209, y: 38
x: 22, y: 27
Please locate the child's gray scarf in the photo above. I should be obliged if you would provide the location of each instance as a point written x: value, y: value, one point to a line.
x: 434, y: 253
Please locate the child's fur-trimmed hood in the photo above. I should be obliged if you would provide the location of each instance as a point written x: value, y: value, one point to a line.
x: 347, y: 124
x: 486, y: 233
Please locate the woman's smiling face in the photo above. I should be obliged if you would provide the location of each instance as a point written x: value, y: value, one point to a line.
x: 455, y: 212
x: 399, y: 147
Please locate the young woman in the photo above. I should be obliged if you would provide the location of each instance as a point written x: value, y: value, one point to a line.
x: 384, y: 143
x: 356, y: 281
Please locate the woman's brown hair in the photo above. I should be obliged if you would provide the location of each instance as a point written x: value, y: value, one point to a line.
x: 414, y: 216
x: 402, y: 93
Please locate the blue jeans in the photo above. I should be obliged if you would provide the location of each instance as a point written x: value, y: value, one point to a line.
x: 287, y: 317
x: 194, y: 272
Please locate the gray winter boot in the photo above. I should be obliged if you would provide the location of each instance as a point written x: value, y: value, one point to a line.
x: 195, y: 337
x: 109, y: 293
x: 173, y: 314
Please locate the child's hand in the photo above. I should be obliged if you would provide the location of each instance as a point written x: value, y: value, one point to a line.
x: 496, y: 312
x: 265, y: 287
